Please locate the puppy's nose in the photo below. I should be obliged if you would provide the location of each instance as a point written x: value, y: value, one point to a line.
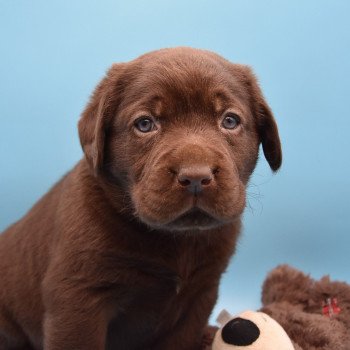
x: 194, y: 179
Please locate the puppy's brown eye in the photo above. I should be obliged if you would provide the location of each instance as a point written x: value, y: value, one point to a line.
x: 145, y: 124
x: 230, y: 121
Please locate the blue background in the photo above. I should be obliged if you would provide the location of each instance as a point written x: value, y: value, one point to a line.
x: 52, y: 53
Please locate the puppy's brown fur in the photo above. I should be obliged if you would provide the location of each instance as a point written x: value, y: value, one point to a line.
x: 115, y: 256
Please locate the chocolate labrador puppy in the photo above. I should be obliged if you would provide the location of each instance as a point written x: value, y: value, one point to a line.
x: 127, y: 250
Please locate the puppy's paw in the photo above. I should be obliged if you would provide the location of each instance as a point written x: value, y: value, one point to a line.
x: 208, y: 337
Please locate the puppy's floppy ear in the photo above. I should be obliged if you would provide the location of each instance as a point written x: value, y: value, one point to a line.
x: 269, y: 136
x: 96, y: 117
x: 266, y: 123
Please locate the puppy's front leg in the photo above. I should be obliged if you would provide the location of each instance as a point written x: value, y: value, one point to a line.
x: 192, y: 332
x: 74, y: 331
x: 75, y: 315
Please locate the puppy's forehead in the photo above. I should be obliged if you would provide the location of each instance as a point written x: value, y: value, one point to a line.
x: 182, y: 82
x: 176, y: 102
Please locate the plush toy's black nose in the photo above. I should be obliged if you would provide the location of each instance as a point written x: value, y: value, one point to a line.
x: 240, y: 332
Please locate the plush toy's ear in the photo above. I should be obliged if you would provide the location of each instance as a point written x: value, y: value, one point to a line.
x: 266, y: 123
x: 96, y: 117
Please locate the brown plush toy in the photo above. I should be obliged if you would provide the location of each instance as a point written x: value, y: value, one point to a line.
x: 315, y: 314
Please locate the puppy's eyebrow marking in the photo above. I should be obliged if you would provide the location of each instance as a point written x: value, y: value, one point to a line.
x: 220, y: 102
x: 157, y: 105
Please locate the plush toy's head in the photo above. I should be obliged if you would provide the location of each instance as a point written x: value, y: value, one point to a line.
x: 315, y: 314
x: 251, y: 331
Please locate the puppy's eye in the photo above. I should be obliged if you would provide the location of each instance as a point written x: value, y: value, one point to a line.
x: 230, y: 121
x: 145, y: 124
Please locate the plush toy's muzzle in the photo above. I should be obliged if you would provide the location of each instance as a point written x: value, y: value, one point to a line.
x: 250, y: 331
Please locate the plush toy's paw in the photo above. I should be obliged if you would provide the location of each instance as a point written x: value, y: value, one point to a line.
x: 310, y: 331
x: 252, y: 331
x: 315, y: 314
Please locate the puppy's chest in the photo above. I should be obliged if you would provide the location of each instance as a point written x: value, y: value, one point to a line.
x: 145, y: 282
x: 153, y: 299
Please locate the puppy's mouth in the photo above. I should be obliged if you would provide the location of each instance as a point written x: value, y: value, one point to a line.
x: 194, y: 219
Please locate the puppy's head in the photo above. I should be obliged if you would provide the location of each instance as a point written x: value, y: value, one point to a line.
x: 179, y: 130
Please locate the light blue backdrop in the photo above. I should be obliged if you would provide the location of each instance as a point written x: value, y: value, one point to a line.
x: 52, y: 53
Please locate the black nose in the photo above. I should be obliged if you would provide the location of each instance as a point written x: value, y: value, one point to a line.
x: 195, y: 178
x: 240, y: 332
